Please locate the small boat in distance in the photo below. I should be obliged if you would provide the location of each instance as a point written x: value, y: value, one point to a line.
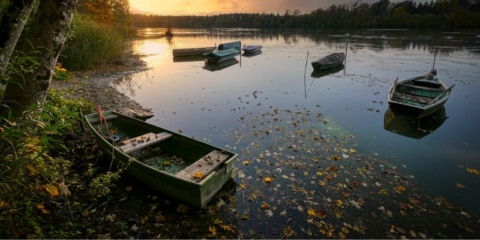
x: 419, y: 96
x: 176, y: 165
x: 220, y: 56
x: 330, y: 61
x: 199, y: 58
x: 181, y: 52
x: 230, y: 45
x: 252, y: 49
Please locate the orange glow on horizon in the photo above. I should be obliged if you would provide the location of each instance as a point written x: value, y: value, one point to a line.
x: 209, y: 7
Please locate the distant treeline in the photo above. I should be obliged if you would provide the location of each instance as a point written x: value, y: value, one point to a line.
x: 457, y: 13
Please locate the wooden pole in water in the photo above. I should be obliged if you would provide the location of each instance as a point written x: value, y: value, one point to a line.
x: 306, y: 62
x: 435, y: 57
x: 346, y: 49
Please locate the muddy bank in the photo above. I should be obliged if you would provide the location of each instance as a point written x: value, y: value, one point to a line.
x: 95, y: 85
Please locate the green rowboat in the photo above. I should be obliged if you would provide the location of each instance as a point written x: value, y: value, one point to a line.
x: 420, y: 96
x: 178, y: 166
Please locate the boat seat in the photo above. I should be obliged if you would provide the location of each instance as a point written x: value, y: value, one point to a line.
x: 413, y: 98
x: 143, y: 141
x: 424, y: 88
x: 205, y: 165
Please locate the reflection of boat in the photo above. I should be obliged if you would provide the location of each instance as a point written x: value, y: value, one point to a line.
x: 181, y: 167
x: 251, y: 54
x: 225, y: 46
x: 220, y: 65
x: 323, y: 73
x: 421, y: 95
x: 192, y: 51
x: 221, y: 56
x: 189, y: 59
x: 252, y: 49
x: 413, y: 128
x: 330, y: 61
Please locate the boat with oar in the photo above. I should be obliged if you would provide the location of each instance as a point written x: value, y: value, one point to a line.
x: 404, y: 125
x: 220, y: 65
x: 178, y: 166
x: 419, y: 96
x: 181, y: 52
x: 330, y: 61
x: 229, y: 45
x: 251, y: 49
x: 221, y: 56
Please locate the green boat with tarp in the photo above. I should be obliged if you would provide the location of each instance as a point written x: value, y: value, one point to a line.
x: 419, y: 96
x: 221, y: 56
x: 225, y: 46
x: 178, y: 166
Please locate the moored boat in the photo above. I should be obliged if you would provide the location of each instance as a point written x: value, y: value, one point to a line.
x: 252, y: 49
x: 330, y: 61
x: 178, y: 166
x: 221, y: 56
x: 180, y: 52
x: 225, y: 46
x: 419, y: 96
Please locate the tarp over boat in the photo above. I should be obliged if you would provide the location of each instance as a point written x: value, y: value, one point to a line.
x: 223, y: 53
x: 224, y: 46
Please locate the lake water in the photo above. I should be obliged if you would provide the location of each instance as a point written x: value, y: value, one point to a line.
x: 286, y: 122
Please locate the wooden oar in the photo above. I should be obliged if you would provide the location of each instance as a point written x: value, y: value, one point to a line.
x: 446, y: 91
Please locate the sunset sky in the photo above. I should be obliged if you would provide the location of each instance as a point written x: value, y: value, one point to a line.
x: 203, y: 7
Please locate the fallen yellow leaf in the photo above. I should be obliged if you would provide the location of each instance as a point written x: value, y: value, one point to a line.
x: 52, y: 190
x: 198, y: 175
x: 460, y: 185
x: 353, y: 150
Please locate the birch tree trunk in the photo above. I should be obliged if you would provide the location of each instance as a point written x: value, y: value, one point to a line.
x: 11, y: 26
x: 48, y: 31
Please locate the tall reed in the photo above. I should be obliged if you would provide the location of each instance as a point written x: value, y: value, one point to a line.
x: 90, y: 43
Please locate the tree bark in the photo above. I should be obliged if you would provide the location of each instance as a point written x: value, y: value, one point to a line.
x: 48, y: 32
x: 11, y: 26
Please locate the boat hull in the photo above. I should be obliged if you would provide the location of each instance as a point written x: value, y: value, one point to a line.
x: 192, y: 51
x: 331, y: 61
x: 190, y: 192
x: 219, y: 59
x: 415, y: 110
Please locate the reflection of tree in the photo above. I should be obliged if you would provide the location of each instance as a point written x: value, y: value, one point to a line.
x: 130, y: 83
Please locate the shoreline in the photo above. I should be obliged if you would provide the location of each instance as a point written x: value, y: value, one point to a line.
x: 96, y: 85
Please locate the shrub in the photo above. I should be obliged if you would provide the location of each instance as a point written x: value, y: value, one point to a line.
x: 90, y: 43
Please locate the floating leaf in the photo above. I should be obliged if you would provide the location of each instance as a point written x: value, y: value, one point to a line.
x: 353, y: 150
x: 338, y: 202
x: 225, y: 227
x: 345, y: 230
x: 217, y: 221
x: 399, y: 189
x: 473, y: 171
x: 246, y: 162
x: 268, y: 180
x: 460, y: 185
x: 288, y: 231
x: 384, y: 192
x: 338, y: 213
x: 180, y: 131
x: 144, y: 219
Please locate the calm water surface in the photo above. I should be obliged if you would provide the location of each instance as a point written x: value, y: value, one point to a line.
x: 233, y: 106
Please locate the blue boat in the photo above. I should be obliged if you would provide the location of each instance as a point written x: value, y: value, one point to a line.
x: 221, y: 56
x: 252, y: 48
x: 231, y: 45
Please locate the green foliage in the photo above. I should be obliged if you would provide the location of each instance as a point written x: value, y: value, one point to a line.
x: 17, y: 65
x: 41, y: 184
x: 61, y: 73
x: 90, y: 43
